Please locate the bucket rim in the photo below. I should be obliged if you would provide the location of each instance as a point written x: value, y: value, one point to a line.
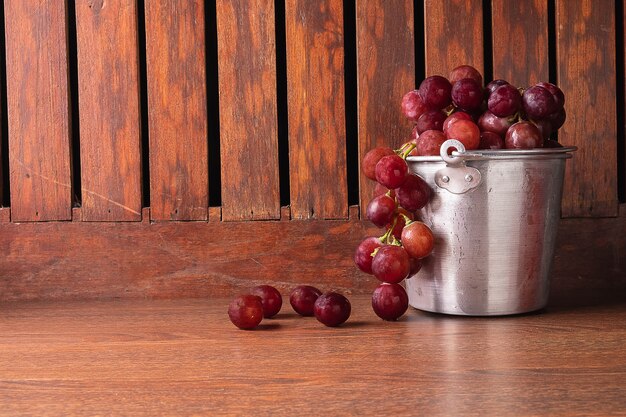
x: 498, y: 154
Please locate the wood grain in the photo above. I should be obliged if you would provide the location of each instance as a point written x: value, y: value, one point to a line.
x: 248, y: 110
x: 520, y: 41
x: 316, y: 99
x: 186, y: 358
x: 177, y: 110
x: 110, y: 145
x: 453, y: 30
x: 386, y: 71
x: 38, y: 110
x: 73, y: 260
x: 586, y: 74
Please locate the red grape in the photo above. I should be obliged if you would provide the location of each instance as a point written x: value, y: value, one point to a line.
x: 418, y: 240
x: 467, y: 94
x: 416, y: 266
x: 390, y: 301
x: 557, y: 93
x: 459, y: 115
x: 270, y: 298
x: 413, y: 194
x: 539, y: 102
x: 412, y: 105
x: 491, y: 87
x: 397, y: 228
x: 246, y: 311
x: 302, y: 299
x: 430, y: 120
x: 466, y: 132
x: 492, y: 123
x: 430, y: 142
x: 523, y: 135
x: 557, y: 119
x: 380, y: 210
x: 391, y: 264
x: 380, y: 189
x: 332, y: 309
x: 490, y: 140
x: 465, y: 71
x: 363, y: 254
x: 391, y: 171
x: 435, y: 92
x: 504, y: 101
x: 545, y: 128
x: 371, y: 159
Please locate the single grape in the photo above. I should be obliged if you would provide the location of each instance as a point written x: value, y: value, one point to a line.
x: 490, y: 140
x: 380, y: 210
x: 270, y: 298
x: 430, y: 142
x: 467, y: 94
x: 417, y: 240
x: 397, y: 228
x: 246, y: 311
x: 459, y: 115
x: 523, y: 135
x: 491, y: 87
x: 545, y: 127
x: 467, y: 132
x: 557, y: 119
x: 391, y: 171
x: 435, y: 92
x: 430, y: 120
x: 391, y: 264
x: 416, y: 266
x: 390, y: 301
x: 557, y: 93
x: 363, y: 254
x: 302, y: 299
x: 504, y: 101
x: 368, y: 166
x: 332, y: 309
x: 465, y: 71
x: 380, y: 189
x: 491, y: 123
x: 415, y: 134
x: 412, y: 105
x: 413, y: 194
x: 539, y: 102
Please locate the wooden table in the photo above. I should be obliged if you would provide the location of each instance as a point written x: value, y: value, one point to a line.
x: 184, y: 357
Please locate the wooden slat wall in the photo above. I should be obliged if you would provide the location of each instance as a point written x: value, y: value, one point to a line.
x: 108, y: 84
x: 315, y: 85
x: 386, y: 71
x: 587, y: 75
x: 248, y: 110
x: 38, y: 110
x: 177, y: 109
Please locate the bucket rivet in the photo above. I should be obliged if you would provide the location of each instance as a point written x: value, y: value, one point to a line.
x: 445, y: 179
x: 469, y: 178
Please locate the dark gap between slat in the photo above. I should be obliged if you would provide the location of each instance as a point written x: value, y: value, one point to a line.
x: 419, y: 41
x: 213, y: 111
x: 552, y: 58
x: 621, y: 101
x: 350, y: 80
x: 281, y: 102
x: 4, y: 174
x: 143, y: 105
x: 72, y: 56
x: 487, y: 42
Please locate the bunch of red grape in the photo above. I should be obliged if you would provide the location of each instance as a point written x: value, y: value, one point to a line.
x: 497, y: 116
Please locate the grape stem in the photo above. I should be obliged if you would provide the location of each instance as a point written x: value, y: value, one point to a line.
x: 409, y: 147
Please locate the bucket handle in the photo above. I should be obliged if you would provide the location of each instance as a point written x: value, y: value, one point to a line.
x: 456, y: 177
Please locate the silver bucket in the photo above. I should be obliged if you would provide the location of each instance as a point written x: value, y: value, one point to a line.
x: 494, y: 216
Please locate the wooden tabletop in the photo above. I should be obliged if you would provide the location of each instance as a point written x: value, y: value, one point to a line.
x: 184, y: 357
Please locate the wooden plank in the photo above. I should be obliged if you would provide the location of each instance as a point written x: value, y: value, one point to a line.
x: 248, y: 110
x: 453, y: 30
x: 316, y: 97
x: 386, y: 71
x: 177, y: 110
x: 5, y: 214
x: 586, y: 74
x: 520, y: 41
x: 110, y: 146
x: 52, y: 260
x: 38, y: 110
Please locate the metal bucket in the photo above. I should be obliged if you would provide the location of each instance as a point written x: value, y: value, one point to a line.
x: 494, y: 216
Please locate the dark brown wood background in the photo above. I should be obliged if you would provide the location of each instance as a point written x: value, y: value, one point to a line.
x: 158, y: 148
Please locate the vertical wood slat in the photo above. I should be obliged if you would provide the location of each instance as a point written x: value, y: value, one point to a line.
x: 454, y: 35
x: 520, y: 41
x: 38, y: 110
x: 108, y: 84
x: 177, y: 112
x: 316, y: 98
x: 248, y: 109
x: 586, y: 74
x: 386, y: 71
